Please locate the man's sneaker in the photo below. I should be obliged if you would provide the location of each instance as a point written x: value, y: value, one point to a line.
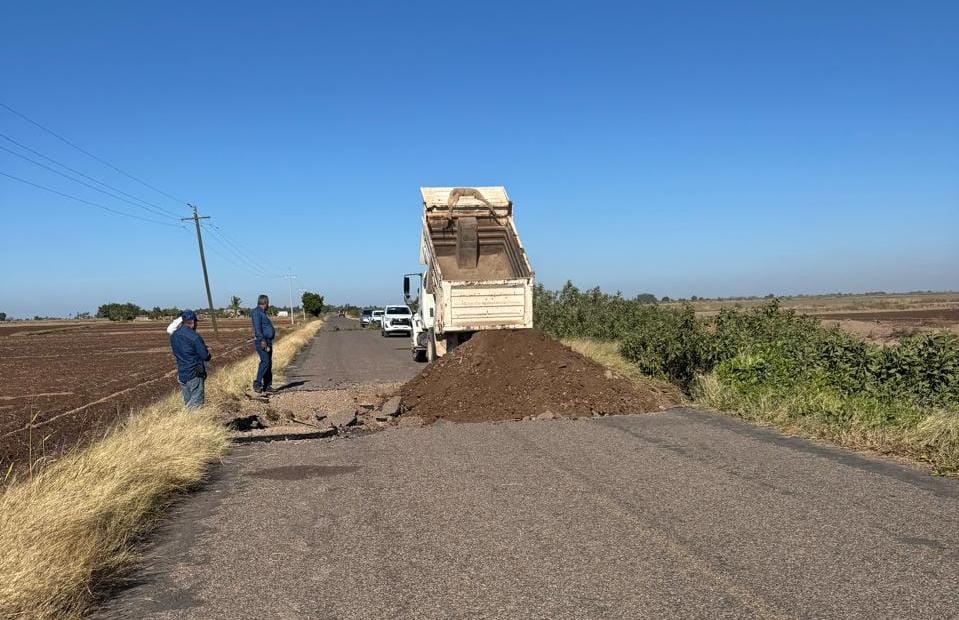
x: 257, y: 389
x: 270, y: 390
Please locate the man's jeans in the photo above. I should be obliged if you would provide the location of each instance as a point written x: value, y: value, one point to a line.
x: 193, y: 392
x: 264, y: 372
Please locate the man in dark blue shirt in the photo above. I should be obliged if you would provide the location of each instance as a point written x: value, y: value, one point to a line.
x: 263, y: 334
x: 191, y: 356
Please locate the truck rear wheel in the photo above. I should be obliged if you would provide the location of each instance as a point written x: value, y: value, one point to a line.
x: 419, y: 355
x: 431, y: 348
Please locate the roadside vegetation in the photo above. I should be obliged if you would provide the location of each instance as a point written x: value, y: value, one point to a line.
x: 775, y: 366
x: 71, y: 528
x: 312, y: 303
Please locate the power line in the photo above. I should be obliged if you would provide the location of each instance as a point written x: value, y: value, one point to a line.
x: 89, y: 154
x: 92, y: 204
x: 233, y: 249
x: 244, y: 264
x: 232, y: 242
x: 222, y: 238
x: 86, y: 176
x: 229, y: 260
x: 84, y: 183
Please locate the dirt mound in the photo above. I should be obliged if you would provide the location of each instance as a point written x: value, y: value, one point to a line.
x: 512, y: 374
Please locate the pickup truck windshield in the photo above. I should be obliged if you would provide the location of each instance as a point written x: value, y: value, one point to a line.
x: 397, y: 310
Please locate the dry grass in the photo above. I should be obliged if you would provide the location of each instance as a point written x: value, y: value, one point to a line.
x: 938, y: 435
x: 932, y: 439
x: 69, y: 530
x: 607, y: 354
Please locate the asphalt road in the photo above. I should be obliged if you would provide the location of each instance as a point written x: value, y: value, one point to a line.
x: 672, y: 515
x: 344, y: 354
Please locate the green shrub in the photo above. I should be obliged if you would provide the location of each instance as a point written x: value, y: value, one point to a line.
x: 759, y: 350
x: 312, y: 303
x: 668, y: 344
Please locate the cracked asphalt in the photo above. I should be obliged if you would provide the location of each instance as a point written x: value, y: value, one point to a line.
x: 678, y: 514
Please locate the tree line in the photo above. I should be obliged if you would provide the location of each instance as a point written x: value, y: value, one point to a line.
x: 312, y: 304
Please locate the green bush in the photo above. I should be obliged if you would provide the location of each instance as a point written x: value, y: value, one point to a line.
x: 668, y: 344
x: 756, y: 349
x: 313, y: 303
x: 783, y: 368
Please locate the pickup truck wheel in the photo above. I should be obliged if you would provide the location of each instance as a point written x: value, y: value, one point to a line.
x: 383, y: 333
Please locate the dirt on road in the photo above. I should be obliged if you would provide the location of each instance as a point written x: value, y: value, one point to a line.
x: 513, y: 374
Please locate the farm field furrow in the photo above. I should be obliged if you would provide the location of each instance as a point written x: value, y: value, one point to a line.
x: 937, y: 317
x: 64, y: 384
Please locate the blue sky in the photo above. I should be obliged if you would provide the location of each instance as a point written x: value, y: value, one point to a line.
x: 678, y: 148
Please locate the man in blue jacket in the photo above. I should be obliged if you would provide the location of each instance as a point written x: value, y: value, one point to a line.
x: 191, y: 357
x: 263, y: 334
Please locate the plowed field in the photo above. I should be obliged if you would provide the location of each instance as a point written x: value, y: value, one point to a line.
x: 63, y: 384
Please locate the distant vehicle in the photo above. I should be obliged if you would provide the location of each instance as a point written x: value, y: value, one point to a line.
x: 282, y: 313
x: 376, y: 318
x: 397, y: 320
x: 366, y: 316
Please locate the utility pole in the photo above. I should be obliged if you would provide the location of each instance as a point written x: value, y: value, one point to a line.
x: 206, y: 279
x: 291, y: 277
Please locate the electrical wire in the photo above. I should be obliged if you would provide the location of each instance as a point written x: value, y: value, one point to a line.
x: 218, y: 234
x: 89, y: 154
x: 87, y: 202
x: 227, y: 239
x: 226, y: 258
x: 85, y: 184
x: 217, y: 249
x: 86, y: 176
x: 251, y: 264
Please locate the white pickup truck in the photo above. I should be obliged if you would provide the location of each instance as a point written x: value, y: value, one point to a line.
x: 477, y: 274
x: 396, y: 320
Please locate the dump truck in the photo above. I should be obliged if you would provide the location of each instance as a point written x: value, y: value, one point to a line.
x: 477, y: 275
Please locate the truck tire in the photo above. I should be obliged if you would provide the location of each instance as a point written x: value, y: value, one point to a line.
x: 419, y: 355
x: 430, y: 349
x: 383, y: 333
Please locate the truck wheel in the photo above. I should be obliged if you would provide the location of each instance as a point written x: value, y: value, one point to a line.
x: 383, y: 333
x: 419, y: 355
x: 430, y: 349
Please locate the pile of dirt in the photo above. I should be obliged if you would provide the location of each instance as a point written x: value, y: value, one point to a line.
x: 514, y: 374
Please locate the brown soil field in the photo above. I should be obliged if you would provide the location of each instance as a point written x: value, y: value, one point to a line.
x: 939, y: 317
x: 889, y: 326
x: 877, y: 318
x: 64, y: 384
x: 817, y: 304
x: 508, y: 375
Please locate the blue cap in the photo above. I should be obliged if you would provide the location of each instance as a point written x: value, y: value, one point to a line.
x: 188, y: 315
